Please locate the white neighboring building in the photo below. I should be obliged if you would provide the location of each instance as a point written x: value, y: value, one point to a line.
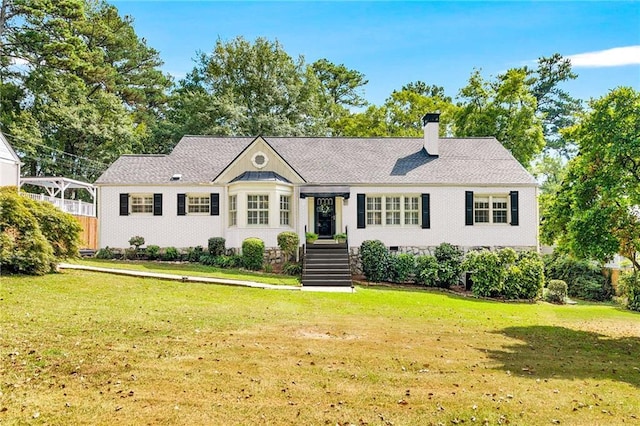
x: 407, y: 192
x: 9, y: 164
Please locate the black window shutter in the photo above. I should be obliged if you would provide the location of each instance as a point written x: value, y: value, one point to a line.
x: 182, y: 204
x: 157, y: 204
x: 426, y: 213
x: 468, y: 207
x: 214, y: 208
x: 124, y: 204
x: 514, y: 208
x: 362, y: 210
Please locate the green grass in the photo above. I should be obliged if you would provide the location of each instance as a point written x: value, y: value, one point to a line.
x: 89, y: 348
x: 193, y: 269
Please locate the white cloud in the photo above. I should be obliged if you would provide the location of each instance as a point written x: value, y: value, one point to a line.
x: 616, y: 57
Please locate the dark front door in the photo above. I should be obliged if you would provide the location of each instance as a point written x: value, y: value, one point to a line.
x: 325, y: 214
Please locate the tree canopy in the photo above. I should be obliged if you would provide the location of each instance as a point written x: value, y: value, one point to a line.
x: 596, y: 212
x: 78, y: 87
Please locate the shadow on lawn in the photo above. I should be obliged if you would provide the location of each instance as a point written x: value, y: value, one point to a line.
x: 558, y: 352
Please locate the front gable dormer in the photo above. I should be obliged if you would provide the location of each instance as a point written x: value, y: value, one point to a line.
x: 258, y: 156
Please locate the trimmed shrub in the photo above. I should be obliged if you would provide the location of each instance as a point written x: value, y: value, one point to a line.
x: 216, y: 246
x: 427, y: 268
x: 292, y: 268
x: 105, y: 253
x: 584, y: 278
x: 288, y: 242
x: 152, y: 252
x: 170, y: 254
x: 402, y: 267
x: 486, y: 272
x: 375, y: 260
x: 253, y: 253
x: 556, y: 292
x: 136, y: 241
x: 449, y: 259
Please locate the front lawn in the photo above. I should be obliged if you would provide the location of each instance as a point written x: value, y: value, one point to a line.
x: 193, y: 269
x: 89, y: 348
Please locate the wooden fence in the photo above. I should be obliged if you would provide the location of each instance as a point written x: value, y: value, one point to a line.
x: 89, y: 234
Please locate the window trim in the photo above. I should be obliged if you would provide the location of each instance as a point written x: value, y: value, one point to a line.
x: 490, y: 210
x: 260, y: 199
x: 401, y: 211
x: 233, y: 210
x: 149, y: 200
x: 286, y: 211
x: 201, y: 196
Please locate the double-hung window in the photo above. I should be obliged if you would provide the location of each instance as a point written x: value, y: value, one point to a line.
x: 257, y: 209
x: 142, y: 203
x: 411, y: 210
x: 233, y: 210
x: 490, y: 209
x: 374, y: 210
x: 198, y: 204
x: 285, y: 208
x: 392, y: 210
x: 397, y: 210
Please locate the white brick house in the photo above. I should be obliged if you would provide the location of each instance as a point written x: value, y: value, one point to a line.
x: 406, y: 192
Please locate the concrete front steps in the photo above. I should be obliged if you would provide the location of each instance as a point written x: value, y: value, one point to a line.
x: 326, y: 264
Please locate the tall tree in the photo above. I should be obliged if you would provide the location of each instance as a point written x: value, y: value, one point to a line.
x: 401, y: 113
x: 341, y: 90
x: 76, y: 79
x: 249, y: 89
x: 555, y: 107
x: 596, y: 213
x: 505, y: 109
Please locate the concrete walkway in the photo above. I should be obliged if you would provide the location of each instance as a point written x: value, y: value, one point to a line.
x: 207, y: 280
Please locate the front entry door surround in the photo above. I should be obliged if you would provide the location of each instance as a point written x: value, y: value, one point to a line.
x: 325, y: 216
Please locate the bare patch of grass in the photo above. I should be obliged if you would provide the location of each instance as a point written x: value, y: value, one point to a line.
x: 86, y: 348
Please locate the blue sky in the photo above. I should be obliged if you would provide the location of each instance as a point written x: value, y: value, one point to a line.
x: 394, y: 43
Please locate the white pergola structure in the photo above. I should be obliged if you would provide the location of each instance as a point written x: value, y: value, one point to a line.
x: 56, y: 187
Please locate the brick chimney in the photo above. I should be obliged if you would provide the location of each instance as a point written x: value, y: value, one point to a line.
x: 431, y: 126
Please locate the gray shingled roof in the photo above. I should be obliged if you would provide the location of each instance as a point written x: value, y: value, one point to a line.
x: 200, y: 159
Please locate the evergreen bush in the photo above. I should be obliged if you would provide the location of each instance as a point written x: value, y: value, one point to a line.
x: 584, y: 278
x: 105, y: 253
x: 216, y: 246
x: 556, y: 291
x: 253, y: 253
x: 486, y: 272
x: 402, y: 267
x: 375, y: 260
x: 288, y: 242
x: 427, y: 268
x: 449, y: 259
x: 170, y: 254
x: 152, y: 252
